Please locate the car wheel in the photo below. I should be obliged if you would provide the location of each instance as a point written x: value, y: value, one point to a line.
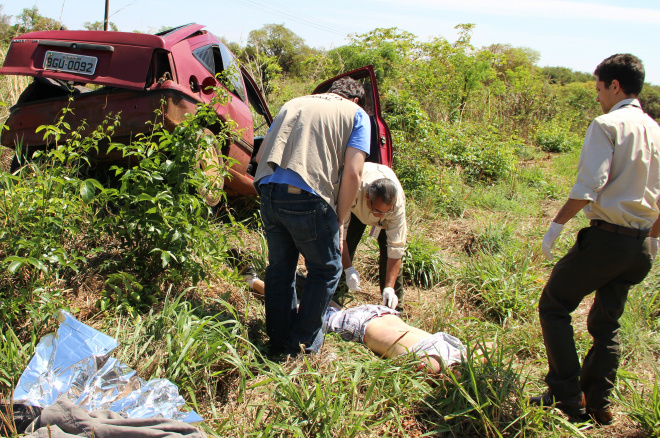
x: 212, y: 165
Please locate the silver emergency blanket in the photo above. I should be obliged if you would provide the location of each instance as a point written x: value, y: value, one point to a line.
x: 75, y: 362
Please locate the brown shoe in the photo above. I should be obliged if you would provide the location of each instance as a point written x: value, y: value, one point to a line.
x: 574, y: 406
x: 603, y: 416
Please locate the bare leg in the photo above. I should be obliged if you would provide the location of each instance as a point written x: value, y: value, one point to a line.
x: 390, y: 336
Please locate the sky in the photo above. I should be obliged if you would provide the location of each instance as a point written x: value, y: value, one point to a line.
x: 577, y: 34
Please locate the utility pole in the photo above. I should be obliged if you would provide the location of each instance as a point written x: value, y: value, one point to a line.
x: 107, y: 8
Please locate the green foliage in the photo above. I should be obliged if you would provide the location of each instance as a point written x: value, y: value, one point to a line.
x: 445, y: 77
x: 5, y: 27
x: 564, y: 75
x: 100, y: 25
x: 493, y: 239
x: 576, y: 102
x: 30, y: 20
x: 276, y: 42
x: 642, y: 404
x: 482, y: 155
x: 14, y: 355
x: 650, y: 100
x: 510, y: 58
x: 404, y: 114
x: 384, y: 48
x: 504, y: 284
x: 556, y: 136
x: 56, y: 218
x: 361, y: 397
x: 438, y: 188
x: 422, y: 264
x: 158, y: 216
x: 126, y: 294
x: 47, y: 214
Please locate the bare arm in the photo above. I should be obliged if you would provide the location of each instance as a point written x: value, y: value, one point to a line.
x: 350, y: 183
x: 393, y: 268
x: 569, y: 210
x: 346, y: 261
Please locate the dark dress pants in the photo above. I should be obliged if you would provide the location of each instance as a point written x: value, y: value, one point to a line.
x: 608, y: 264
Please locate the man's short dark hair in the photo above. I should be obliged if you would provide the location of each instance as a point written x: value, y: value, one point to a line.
x: 348, y: 88
x: 625, y: 68
x: 383, y: 189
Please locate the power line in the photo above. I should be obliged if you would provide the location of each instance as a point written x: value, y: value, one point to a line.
x: 310, y: 21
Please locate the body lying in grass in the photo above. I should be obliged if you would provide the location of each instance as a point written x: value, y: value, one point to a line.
x: 384, y: 333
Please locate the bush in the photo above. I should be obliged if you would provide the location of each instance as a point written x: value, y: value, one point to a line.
x: 482, y: 155
x: 503, y: 284
x: 553, y: 137
x: 150, y: 223
x: 422, y: 264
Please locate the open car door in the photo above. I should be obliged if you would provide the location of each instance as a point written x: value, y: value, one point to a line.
x: 381, y: 139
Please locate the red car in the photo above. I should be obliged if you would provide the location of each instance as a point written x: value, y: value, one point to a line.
x: 132, y: 73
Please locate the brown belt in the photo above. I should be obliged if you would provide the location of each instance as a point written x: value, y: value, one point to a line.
x: 618, y: 229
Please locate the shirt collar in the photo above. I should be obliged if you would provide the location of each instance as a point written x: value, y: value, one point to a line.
x: 624, y: 102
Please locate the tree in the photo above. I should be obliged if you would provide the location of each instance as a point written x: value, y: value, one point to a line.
x: 564, y: 75
x: 31, y: 21
x: 276, y: 41
x: 445, y: 76
x: 512, y: 57
x: 99, y: 25
x: 650, y: 100
x: 385, y: 48
x: 5, y: 28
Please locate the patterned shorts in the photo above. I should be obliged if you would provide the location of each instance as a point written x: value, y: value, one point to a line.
x: 450, y: 349
x: 351, y: 324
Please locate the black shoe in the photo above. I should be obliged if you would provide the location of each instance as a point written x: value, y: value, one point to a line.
x: 16, y: 417
x: 238, y: 260
x: 574, y: 406
x: 248, y: 272
x: 603, y: 416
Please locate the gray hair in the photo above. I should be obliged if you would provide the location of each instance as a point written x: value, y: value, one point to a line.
x: 383, y: 189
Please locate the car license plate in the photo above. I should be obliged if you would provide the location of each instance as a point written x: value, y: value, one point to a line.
x: 70, y: 63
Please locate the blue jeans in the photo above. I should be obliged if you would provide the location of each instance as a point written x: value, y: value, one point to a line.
x: 298, y: 223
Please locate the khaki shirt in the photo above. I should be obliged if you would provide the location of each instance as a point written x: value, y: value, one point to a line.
x: 309, y: 136
x: 619, y: 167
x: 394, y: 222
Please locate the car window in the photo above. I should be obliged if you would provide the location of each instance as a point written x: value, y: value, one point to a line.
x: 205, y: 56
x: 230, y: 64
x: 215, y: 61
x: 259, y: 117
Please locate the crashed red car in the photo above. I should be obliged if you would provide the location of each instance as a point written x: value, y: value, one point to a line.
x: 131, y: 73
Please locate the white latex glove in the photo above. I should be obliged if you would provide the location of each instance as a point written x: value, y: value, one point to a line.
x: 654, y: 247
x: 549, y: 239
x: 352, y: 279
x: 389, y: 298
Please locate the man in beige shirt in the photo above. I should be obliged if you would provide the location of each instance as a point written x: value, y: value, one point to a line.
x: 618, y: 187
x: 381, y: 204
